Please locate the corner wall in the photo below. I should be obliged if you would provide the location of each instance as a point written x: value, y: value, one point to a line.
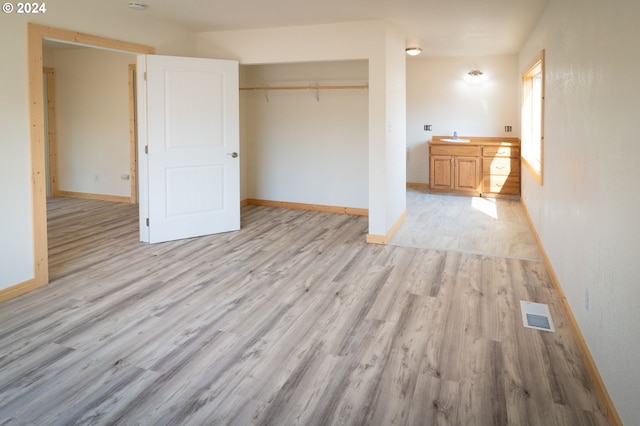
x: 586, y: 212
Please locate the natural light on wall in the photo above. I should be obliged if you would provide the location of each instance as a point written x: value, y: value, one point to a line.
x: 533, y: 117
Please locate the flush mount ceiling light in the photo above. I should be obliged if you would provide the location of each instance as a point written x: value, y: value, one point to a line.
x: 413, y: 47
x: 137, y: 5
x: 475, y: 73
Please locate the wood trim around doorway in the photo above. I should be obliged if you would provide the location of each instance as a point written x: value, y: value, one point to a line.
x: 52, y: 131
x: 35, y: 34
x: 133, y: 134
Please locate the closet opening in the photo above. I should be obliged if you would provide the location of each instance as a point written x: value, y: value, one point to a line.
x: 304, y: 135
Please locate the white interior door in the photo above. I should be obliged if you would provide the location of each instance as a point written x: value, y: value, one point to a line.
x: 188, y: 115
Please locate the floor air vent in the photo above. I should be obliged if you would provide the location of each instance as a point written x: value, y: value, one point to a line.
x: 537, y: 316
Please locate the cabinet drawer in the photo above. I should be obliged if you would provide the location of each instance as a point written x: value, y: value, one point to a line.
x: 500, y: 151
x: 501, y: 166
x: 501, y: 185
x: 470, y: 151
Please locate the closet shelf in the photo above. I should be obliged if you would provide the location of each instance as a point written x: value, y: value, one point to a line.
x: 365, y: 86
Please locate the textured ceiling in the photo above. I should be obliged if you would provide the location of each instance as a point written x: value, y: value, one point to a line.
x: 443, y: 27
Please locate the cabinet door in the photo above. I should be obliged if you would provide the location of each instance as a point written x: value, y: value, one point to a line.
x: 441, y: 172
x: 467, y: 174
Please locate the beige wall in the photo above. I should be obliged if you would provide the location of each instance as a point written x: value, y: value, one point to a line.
x: 92, y: 118
x: 586, y: 213
x: 306, y: 146
x: 439, y: 93
x: 16, y: 225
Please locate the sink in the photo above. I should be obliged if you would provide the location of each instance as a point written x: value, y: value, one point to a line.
x: 455, y: 140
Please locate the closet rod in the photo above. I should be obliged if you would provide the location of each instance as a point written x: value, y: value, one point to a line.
x: 304, y: 87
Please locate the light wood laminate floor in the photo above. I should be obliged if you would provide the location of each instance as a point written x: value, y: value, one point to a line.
x: 292, y: 320
x: 488, y: 226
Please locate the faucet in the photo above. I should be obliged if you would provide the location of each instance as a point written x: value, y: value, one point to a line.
x: 455, y: 135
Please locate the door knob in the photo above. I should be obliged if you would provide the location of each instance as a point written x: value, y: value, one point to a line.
x: 233, y: 154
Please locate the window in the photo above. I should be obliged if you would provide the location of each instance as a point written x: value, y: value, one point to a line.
x: 533, y: 117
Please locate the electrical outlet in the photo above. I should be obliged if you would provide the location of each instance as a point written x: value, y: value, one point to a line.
x: 427, y: 127
x: 508, y: 129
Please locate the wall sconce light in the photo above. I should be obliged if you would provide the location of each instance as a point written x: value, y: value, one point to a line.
x: 475, y: 76
x: 136, y: 5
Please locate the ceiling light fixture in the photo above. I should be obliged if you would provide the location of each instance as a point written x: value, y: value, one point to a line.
x: 412, y: 47
x: 475, y: 76
x: 137, y: 5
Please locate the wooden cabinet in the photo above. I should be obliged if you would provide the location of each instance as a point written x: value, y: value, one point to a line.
x: 500, y: 170
x: 484, y: 166
x: 455, y: 169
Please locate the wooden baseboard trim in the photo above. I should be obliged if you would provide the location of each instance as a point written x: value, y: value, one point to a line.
x: 418, y: 185
x: 384, y: 239
x: 19, y: 289
x: 592, y: 370
x: 303, y: 206
x: 88, y: 196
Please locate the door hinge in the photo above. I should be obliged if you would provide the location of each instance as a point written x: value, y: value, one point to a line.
x: 146, y: 149
x: 145, y: 76
x: 147, y: 221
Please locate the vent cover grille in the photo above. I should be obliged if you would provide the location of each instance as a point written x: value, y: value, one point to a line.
x: 536, y: 316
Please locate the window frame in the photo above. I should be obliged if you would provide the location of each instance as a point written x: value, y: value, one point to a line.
x: 532, y: 153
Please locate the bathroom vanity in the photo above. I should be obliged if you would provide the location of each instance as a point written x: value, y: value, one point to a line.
x: 485, y: 166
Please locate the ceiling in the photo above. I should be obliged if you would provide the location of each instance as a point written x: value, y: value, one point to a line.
x: 442, y: 27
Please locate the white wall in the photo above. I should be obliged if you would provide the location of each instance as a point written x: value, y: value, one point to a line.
x: 395, y: 180
x: 92, y: 117
x: 439, y: 93
x: 375, y: 41
x: 16, y: 224
x: 306, y: 146
x: 586, y: 213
